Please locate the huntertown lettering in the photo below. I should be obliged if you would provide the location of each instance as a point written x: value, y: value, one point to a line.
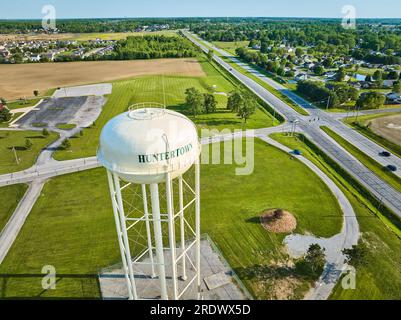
x: 165, y: 155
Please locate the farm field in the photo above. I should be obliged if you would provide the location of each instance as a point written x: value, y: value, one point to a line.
x: 363, y: 127
x: 82, y: 36
x: 10, y: 139
x: 379, y: 277
x: 20, y: 80
x: 388, y: 127
x: 76, y: 234
x: 150, y: 89
x: 10, y: 196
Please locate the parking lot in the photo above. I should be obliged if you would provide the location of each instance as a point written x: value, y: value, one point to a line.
x: 81, y: 111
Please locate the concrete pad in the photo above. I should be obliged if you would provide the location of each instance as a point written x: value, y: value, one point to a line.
x: 217, y: 280
x: 89, y: 90
x: 223, y: 286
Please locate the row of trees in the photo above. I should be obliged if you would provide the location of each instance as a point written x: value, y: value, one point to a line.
x: 153, y: 47
x: 240, y: 102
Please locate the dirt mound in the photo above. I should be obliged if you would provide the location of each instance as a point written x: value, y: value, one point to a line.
x: 278, y: 221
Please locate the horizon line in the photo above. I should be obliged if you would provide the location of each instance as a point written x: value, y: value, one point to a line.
x: 202, y: 17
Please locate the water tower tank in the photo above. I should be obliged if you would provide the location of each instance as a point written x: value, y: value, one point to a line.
x: 142, y: 145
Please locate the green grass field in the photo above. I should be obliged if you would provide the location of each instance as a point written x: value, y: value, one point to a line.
x: 150, y: 89
x: 22, y: 104
x: 76, y: 233
x: 16, y: 139
x: 10, y: 196
x: 231, y: 46
x: 367, y: 161
x: 379, y: 278
x: 361, y: 125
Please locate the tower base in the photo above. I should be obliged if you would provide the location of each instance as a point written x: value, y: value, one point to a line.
x: 218, y: 279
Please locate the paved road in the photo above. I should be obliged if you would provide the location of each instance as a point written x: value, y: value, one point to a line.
x: 17, y: 220
x: 310, y: 125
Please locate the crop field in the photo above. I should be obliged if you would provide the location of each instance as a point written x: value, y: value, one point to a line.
x: 20, y: 80
x: 16, y: 139
x: 150, y: 89
x: 388, y: 127
x: 379, y: 277
x: 76, y: 234
x: 10, y: 196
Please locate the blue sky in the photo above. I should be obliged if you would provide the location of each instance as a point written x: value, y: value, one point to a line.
x: 22, y: 9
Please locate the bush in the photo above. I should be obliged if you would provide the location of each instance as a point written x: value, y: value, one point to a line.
x: 5, y: 115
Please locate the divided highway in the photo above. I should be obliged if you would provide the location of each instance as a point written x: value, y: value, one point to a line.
x: 310, y: 126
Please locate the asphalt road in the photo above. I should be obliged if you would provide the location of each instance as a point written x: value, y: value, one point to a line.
x: 310, y: 125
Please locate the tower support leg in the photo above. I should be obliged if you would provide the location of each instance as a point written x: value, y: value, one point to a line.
x: 197, y: 226
x: 171, y: 234
x: 148, y: 232
x: 154, y: 193
x: 182, y: 226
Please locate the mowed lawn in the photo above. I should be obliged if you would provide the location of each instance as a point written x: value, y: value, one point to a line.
x: 71, y: 226
x: 10, y: 196
x: 16, y: 139
x: 150, y: 89
x: 379, y: 278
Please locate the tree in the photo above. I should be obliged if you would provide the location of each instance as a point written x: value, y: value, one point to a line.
x: 36, y: 93
x: 210, y: 103
x: 356, y: 256
x: 397, y: 87
x: 299, y: 52
x: 242, y: 103
x: 368, y: 78
x: 378, y: 75
x: 234, y: 101
x: 28, y: 144
x: 45, y: 132
x: 66, y: 144
x: 210, y: 55
x: 312, y: 264
x: 247, y: 109
x: 370, y: 100
x: 341, y: 74
x: 194, y: 100
x: 318, y: 70
x: 316, y: 258
x: 5, y: 114
x: 3, y: 101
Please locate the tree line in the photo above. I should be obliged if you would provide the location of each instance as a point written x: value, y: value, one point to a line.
x: 153, y: 47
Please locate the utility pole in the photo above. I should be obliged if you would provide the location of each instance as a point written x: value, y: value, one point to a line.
x: 328, y: 103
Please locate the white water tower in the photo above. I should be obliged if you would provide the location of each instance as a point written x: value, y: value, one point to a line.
x: 152, y: 150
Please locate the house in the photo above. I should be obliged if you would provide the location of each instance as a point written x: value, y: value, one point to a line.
x: 49, y: 55
x: 394, y: 97
x: 5, y: 53
x: 256, y: 47
x: 301, y: 76
x: 388, y: 83
x: 34, y: 57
